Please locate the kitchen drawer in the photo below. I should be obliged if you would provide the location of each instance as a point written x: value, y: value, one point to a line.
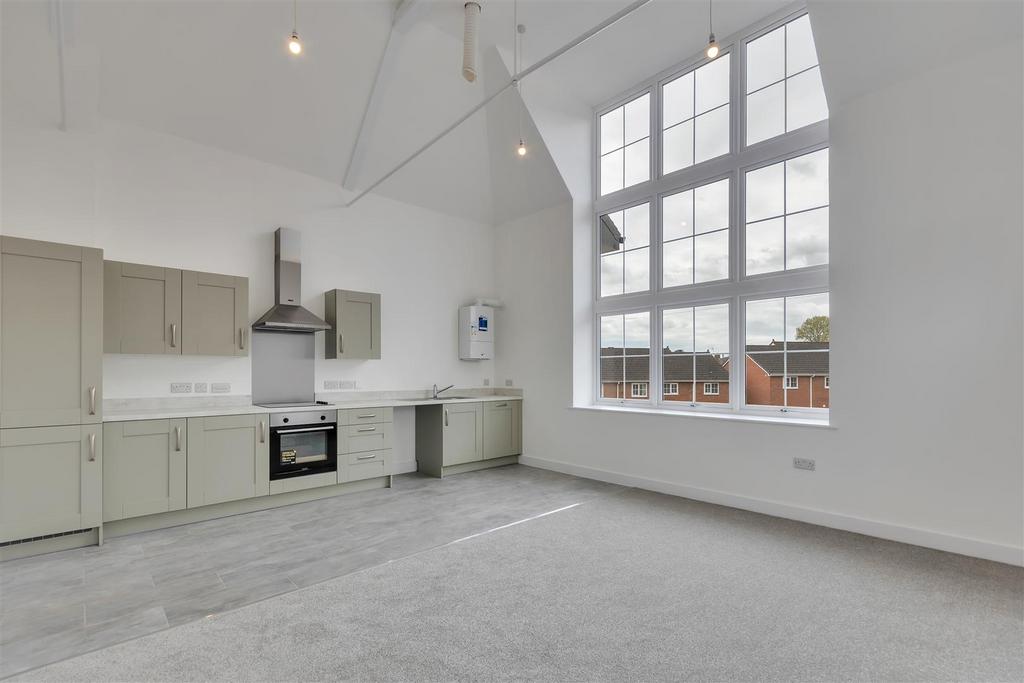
x: 360, y: 438
x: 358, y: 416
x: 356, y: 466
x: 367, y: 457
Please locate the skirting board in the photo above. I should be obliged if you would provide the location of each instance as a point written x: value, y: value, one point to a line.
x: 890, y: 532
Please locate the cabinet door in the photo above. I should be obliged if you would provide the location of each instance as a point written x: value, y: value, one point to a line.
x: 355, y: 324
x: 51, y: 334
x: 214, y: 314
x: 141, y: 308
x: 463, y: 433
x: 143, y: 468
x: 50, y: 480
x: 228, y: 459
x: 502, y: 429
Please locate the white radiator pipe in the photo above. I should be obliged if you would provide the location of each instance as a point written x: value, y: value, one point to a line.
x: 472, y: 10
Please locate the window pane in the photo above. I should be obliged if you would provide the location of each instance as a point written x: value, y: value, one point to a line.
x: 711, y: 135
x: 637, y: 331
x: 805, y: 100
x: 677, y: 267
x: 807, y: 320
x: 711, y: 206
x: 611, y: 131
x: 637, y: 226
x: 677, y: 147
x: 800, y: 53
x: 798, y: 376
x: 807, y: 181
x: 638, y: 119
x: 611, y: 335
x: 611, y: 274
x: 765, y: 322
x: 766, y: 60
x: 712, y: 256
x: 765, y: 193
x: 611, y: 172
x: 712, y: 84
x: 807, y: 239
x: 677, y: 100
x: 677, y: 215
x: 711, y: 329
x: 677, y: 330
x: 637, y: 269
x: 766, y: 113
x: 637, y: 163
x: 765, y: 245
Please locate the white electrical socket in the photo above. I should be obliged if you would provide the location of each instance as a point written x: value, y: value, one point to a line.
x: 803, y: 464
x: 220, y: 388
x: 181, y: 387
x: 348, y: 384
x: 200, y: 387
x: 508, y: 383
x: 331, y: 385
x: 487, y: 381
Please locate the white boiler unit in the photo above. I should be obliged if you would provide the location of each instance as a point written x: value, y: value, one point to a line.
x: 476, y: 333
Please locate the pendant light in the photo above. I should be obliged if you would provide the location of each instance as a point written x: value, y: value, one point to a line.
x: 517, y: 67
x: 294, y: 44
x: 471, y: 11
x: 712, y: 48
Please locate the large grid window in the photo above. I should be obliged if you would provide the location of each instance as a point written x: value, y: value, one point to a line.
x: 711, y: 282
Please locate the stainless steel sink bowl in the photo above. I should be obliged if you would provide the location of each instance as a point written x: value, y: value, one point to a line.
x: 438, y: 399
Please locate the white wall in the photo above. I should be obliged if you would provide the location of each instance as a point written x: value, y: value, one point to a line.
x: 926, y: 241
x: 152, y: 198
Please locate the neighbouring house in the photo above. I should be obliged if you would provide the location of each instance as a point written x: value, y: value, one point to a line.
x: 797, y: 376
x: 627, y: 375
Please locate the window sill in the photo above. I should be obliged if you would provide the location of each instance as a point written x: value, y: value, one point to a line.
x: 733, y: 417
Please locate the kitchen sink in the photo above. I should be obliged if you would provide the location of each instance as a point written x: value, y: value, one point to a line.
x: 439, y: 398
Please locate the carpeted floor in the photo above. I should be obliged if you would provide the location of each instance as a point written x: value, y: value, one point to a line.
x: 635, y: 586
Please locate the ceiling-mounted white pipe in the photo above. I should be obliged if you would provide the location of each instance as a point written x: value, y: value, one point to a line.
x: 472, y: 10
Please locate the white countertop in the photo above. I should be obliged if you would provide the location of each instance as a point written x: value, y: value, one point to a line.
x: 186, y: 410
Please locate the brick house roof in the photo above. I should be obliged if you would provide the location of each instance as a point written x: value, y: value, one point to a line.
x: 678, y: 367
x: 802, y: 358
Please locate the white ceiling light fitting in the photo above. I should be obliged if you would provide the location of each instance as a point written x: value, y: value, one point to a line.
x: 469, y: 31
x: 517, y: 55
x: 294, y: 44
x: 712, y: 49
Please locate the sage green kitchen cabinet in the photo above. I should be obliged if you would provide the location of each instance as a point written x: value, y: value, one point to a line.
x: 354, y: 318
x: 503, y: 429
x: 141, y: 309
x: 463, y: 434
x: 51, y: 480
x: 143, y: 468
x: 214, y: 314
x: 51, y: 334
x: 228, y: 458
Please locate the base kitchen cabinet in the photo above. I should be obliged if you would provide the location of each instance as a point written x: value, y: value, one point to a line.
x: 143, y: 468
x: 503, y: 429
x: 364, y: 443
x: 228, y: 459
x: 51, y: 480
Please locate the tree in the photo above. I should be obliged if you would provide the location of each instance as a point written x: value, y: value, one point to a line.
x: 814, y: 329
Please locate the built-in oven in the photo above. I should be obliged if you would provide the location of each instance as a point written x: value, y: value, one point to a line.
x: 303, y: 443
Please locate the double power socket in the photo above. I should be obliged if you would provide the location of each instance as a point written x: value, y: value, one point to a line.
x: 200, y: 387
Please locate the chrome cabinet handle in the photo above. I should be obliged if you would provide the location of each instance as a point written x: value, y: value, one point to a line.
x: 371, y: 456
x: 174, y: 335
x: 341, y: 342
x: 445, y: 417
x: 501, y: 405
x: 241, y: 339
x: 367, y: 416
x: 321, y: 428
x: 177, y: 438
x: 263, y: 431
x: 367, y: 429
x: 92, y: 448
x: 92, y: 400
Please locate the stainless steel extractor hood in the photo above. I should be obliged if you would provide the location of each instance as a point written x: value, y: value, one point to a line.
x: 287, y: 315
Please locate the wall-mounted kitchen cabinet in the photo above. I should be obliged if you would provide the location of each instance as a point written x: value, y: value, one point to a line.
x: 51, y: 480
x: 214, y: 314
x: 51, y: 333
x: 228, y: 459
x: 141, y: 308
x: 354, y: 318
x: 143, y: 468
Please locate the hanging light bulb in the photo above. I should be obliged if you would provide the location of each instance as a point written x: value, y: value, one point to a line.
x: 521, y: 149
x: 294, y: 44
x: 712, y: 49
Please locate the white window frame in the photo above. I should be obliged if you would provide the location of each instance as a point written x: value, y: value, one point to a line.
x: 716, y: 385
x: 673, y: 388
x: 739, y: 288
x: 827, y: 382
x: 795, y: 383
x: 644, y: 392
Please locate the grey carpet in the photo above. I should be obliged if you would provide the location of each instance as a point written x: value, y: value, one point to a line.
x: 636, y: 586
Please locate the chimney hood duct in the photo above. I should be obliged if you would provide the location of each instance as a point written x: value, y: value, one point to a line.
x: 288, y: 315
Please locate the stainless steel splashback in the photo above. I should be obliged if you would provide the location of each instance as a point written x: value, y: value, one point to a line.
x: 282, y: 367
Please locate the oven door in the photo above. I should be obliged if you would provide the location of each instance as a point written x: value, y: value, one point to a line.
x: 301, y: 450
